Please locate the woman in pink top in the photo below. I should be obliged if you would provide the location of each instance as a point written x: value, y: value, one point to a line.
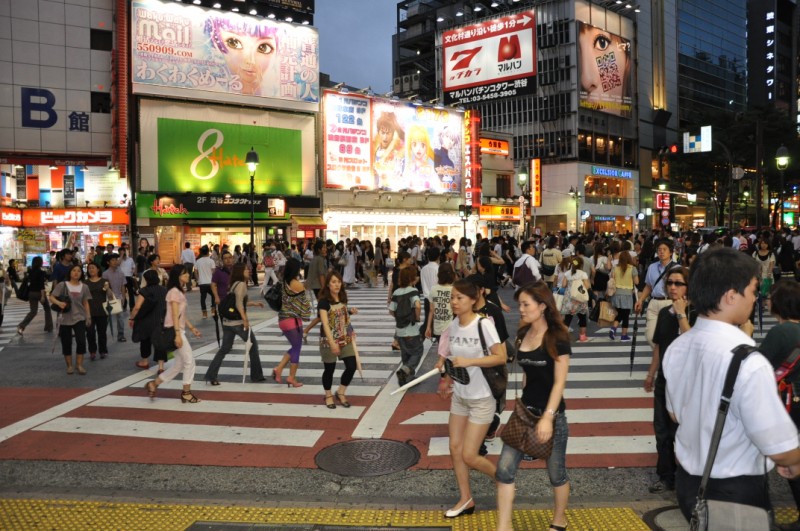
x: 176, y: 318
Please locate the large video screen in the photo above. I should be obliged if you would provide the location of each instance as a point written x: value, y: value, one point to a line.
x: 378, y: 144
x: 187, y: 47
x: 605, y: 71
x: 490, y: 60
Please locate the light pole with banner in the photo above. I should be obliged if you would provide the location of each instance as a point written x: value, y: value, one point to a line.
x: 522, y: 180
x: 575, y: 193
x: 252, y: 163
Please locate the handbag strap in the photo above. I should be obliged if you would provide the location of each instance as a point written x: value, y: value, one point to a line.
x: 666, y: 270
x: 739, y: 354
x: 480, y: 335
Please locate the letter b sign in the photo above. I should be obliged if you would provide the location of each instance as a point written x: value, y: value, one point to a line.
x: 37, y: 108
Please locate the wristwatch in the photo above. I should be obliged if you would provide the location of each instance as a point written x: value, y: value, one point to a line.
x: 680, y: 315
x: 551, y: 411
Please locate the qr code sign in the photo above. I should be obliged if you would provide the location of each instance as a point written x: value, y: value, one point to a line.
x: 609, y: 71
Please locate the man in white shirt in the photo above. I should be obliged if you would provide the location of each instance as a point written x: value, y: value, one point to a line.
x: 205, y: 270
x: 188, y: 259
x: 695, y: 366
x: 528, y: 259
x: 428, y: 277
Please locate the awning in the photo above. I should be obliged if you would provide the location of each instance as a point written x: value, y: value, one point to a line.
x: 309, y: 222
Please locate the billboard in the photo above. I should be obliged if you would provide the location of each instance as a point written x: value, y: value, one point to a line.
x: 377, y: 144
x: 490, y: 60
x: 187, y: 47
x: 605, y: 61
x: 202, y: 148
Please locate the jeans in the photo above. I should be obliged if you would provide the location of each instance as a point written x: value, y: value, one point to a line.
x: 65, y: 333
x: 96, y: 334
x: 508, y: 464
x: 205, y: 291
x: 130, y: 287
x: 747, y: 490
x: 229, y: 333
x: 118, y: 322
x: 411, y: 350
x: 665, y: 429
x: 35, y: 299
x: 190, y: 270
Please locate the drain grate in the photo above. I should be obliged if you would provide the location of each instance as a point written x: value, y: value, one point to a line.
x: 367, y: 458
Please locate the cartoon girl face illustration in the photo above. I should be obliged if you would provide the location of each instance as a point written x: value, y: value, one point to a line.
x: 248, y: 48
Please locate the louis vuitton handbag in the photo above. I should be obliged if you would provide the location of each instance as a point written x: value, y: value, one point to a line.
x: 520, y: 430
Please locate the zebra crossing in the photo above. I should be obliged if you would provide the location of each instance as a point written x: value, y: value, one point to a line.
x: 609, y: 413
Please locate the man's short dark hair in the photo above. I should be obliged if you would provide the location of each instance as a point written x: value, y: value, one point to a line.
x: 526, y: 246
x: 152, y: 258
x: 477, y: 279
x: 666, y: 241
x: 717, y: 271
x: 433, y: 254
x: 318, y: 245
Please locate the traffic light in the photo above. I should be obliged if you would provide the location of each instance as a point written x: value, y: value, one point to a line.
x: 674, y: 149
x: 464, y: 211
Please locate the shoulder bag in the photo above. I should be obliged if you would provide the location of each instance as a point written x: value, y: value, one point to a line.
x: 23, y: 292
x: 64, y: 297
x: 577, y: 291
x: 497, y: 376
x: 720, y: 515
x: 163, y: 338
x: 113, y: 304
x: 520, y: 430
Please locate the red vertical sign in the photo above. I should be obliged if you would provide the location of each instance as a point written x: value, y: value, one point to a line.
x: 536, y: 182
x: 472, y: 158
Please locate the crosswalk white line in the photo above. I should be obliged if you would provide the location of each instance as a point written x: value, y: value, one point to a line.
x: 273, y: 359
x: 310, y: 388
x: 301, y: 372
x: 574, y: 416
x: 183, y: 432
x: 265, y: 409
x: 439, y: 446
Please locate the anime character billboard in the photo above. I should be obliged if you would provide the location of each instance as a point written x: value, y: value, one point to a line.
x: 188, y: 47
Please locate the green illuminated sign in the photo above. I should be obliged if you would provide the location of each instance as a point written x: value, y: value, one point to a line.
x: 209, y: 157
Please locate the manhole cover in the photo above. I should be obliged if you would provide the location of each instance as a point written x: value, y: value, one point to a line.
x: 373, y: 457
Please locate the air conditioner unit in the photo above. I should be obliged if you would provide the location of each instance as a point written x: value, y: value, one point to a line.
x: 406, y: 83
x: 397, y: 85
x: 415, y: 82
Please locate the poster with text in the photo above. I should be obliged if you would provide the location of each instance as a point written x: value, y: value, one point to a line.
x: 188, y: 47
x: 605, y: 71
x: 347, y: 141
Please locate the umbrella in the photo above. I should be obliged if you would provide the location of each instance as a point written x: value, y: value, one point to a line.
x: 358, y: 361
x: 416, y: 381
x: 216, y: 323
x: 633, y: 337
x: 3, y: 304
x: 760, y: 313
x: 110, y: 317
x: 247, y: 346
x: 56, y: 336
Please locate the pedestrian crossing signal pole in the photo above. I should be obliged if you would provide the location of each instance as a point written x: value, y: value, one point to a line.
x: 464, y: 211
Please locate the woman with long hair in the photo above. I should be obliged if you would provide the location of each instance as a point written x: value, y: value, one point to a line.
x: 572, y: 306
x: 176, y: 318
x: 96, y: 333
x: 73, y: 296
x: 336, y: 338
x: 37, y: 278
x: 543, y: 354
x: 472, y: 405
x: 625, y: 276
x: 237, y: 325
x: 144, y: 319
x: 295, y: 308
x: 602, y: 270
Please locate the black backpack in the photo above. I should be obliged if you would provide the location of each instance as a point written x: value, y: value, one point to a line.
x: 523, y: 275
x: 227, y: 307
x: 404, y: 313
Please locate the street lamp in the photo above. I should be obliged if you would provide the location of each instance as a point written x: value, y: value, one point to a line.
x: 252, y: 163
x: 576, y: 195
x: 746, y: 194
x: 782, y: 161
x: 464, y: 212
x: 522, y: 180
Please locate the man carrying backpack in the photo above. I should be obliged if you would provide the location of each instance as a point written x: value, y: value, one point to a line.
x: 406, y: 309
x: 526, y: 268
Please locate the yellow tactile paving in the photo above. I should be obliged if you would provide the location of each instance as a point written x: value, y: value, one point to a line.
x: 31, y: 515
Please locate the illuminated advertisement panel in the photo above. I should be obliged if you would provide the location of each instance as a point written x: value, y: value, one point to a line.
x: 536, y: 182
x: 202, y: 148
x: 473, y: 170
x: 490, y: 60
x: 605, y: 71
x: 402, y: 147
x: 187, y: 47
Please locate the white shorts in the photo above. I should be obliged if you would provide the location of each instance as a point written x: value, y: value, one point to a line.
x: 478, y: 410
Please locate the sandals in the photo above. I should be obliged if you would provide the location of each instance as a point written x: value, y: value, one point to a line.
x: 143, y: 364
x: 150, y: 387
x: 331, y: 404
x: 342, y: 400
x: 555, y: 527
x: 81, y: 370
x: 187, y: 396
x: 70, y: 370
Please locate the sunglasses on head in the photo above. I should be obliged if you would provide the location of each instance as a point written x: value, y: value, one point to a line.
x: 676, y: 283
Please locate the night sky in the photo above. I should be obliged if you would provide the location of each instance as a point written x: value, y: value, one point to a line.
x: 356, y: 41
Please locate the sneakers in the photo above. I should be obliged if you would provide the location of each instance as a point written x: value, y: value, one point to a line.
x: 121, y: 339
x: 625, y: 338
x: 205, y: 314
x: 402, y: 377
x: 661, y: 486
x: 612, y: 333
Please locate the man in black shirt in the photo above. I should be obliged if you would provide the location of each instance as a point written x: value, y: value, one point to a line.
x: 672, y: 321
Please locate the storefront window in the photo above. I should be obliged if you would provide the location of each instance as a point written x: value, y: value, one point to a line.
x: 607, y: 191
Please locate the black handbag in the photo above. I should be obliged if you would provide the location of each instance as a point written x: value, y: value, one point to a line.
x: 163, y: 339
x: 497, y: 376
x: 62, y: 298
x: 24, y: 289
x: 274, y: 296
